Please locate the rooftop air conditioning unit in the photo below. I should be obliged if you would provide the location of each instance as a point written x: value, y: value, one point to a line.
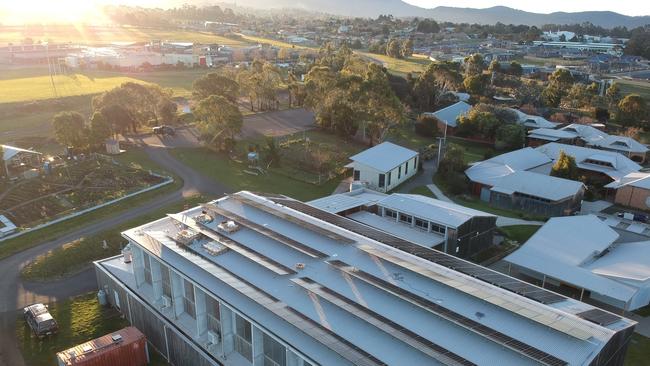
x: 167, y: 302
x: 213, y: 337
x: 228, y: 226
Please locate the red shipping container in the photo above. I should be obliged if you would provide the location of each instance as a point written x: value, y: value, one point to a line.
x: 126, y: 347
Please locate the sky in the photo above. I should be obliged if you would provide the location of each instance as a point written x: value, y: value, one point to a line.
x: 627, y: 7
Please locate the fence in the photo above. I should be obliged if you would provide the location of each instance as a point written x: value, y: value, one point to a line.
x: 169, y: 180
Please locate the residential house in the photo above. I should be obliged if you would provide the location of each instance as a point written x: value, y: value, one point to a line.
x: 384, y: 167
x: 448, y: 117
x: 632, y: 190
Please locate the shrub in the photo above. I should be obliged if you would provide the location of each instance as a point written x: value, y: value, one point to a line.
x: 427, y: 126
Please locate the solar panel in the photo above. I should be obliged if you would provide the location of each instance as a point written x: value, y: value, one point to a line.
x: 467, y: 323
x: 522, y: 288
x: 313, y: 329
x: 599, y: 317
x: 240, y: 248
x: 314, y: 253
x: 307, y: 225
x: 388, y: 326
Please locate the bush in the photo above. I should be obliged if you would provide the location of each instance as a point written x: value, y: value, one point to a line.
x: 427, y: 126
x: 457, y: 183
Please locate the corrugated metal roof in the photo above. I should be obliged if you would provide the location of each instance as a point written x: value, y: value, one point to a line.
x: 385, y: 156
x: 621, y: 165
x: 9, y: 152
x: 538, y: 185
x: 490, y: 171
x: 431, y: 209
x: 450, y: 114
x: 563, y: 252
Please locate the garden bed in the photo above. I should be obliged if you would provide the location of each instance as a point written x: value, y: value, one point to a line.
x: 72, y: 187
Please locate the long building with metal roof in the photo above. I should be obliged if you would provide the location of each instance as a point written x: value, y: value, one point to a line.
x: 258, y: 279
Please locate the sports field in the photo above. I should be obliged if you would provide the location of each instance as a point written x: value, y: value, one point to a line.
x: 20, y: 85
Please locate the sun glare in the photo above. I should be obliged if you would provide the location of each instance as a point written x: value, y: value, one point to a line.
x: 50, y: 11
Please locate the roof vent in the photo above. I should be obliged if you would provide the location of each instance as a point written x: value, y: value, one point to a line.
x: 214, y: 248
x: 228, y: 226
x: 117, y: 337
x: 300, y: 266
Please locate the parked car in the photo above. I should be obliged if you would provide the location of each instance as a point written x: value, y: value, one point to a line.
x: 164, y: 130
x: 40, y: 320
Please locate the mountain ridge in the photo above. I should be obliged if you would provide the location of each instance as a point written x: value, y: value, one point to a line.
x: 491, y: 15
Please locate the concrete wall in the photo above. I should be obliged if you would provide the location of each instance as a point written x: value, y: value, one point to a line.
x: 633, y: 197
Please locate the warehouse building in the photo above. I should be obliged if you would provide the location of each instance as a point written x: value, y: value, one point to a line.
x: 253, y: 279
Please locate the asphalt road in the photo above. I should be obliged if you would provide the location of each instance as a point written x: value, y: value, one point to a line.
x: 15, y: 294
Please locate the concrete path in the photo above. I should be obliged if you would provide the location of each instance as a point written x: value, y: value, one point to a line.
x: 438, y: 193
x: 15, y: 293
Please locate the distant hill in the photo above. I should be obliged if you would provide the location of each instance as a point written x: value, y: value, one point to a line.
x: 506, y: 15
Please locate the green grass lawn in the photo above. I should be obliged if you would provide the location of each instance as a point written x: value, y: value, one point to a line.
x: 641, y: 88
x: 519, y: 233
x: 638, y: 352
x: 272, y: 42
x: 35, y: 83
x: 644, y: 311
x: 399, y: 66
x: 37, y: 237
x: 423, y: 191
x: 474, y: 151
x: 79, y: 254
x: 40, y: 87
x: 80, y: 319
x: 231, y: 173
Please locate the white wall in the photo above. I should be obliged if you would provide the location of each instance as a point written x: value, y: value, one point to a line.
x: 371, y: 175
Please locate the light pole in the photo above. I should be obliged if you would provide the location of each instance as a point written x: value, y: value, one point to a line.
x: 441, y: 140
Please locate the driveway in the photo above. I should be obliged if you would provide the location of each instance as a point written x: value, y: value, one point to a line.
x: 16, y: 293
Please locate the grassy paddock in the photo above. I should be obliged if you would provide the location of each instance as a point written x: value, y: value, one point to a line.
x: 399, y: 66
x: 641, y: 88
x: 231, y: 173
x: 79, y: 254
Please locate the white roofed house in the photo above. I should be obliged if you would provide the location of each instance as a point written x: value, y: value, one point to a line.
x: 448, y: 117
x: 632, y: 190
x: 520, y: 180
x: 589, y: 136
x: 384, y: 167
x: 262, y: 279
x: 591, y: 259
x: 532, y: 122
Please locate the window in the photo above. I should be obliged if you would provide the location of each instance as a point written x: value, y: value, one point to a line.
x: 422, y: 224
x: 213, y: 314
x: 188, y: 298
x: 243, y: 338
x: 389, y: 176
x: 437, y: 228
x: 166, y: 281
x: 399, y: 172
x: 381, y: 180
x: 415, y: 163
x: 274, y: 353
x: 357, y: 175
x: 147, y: 268
x: 405, y: 218
x: 406, y: 169
x: 390, y: 213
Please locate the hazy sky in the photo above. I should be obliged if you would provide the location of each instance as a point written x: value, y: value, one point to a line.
x: 628, y: 7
